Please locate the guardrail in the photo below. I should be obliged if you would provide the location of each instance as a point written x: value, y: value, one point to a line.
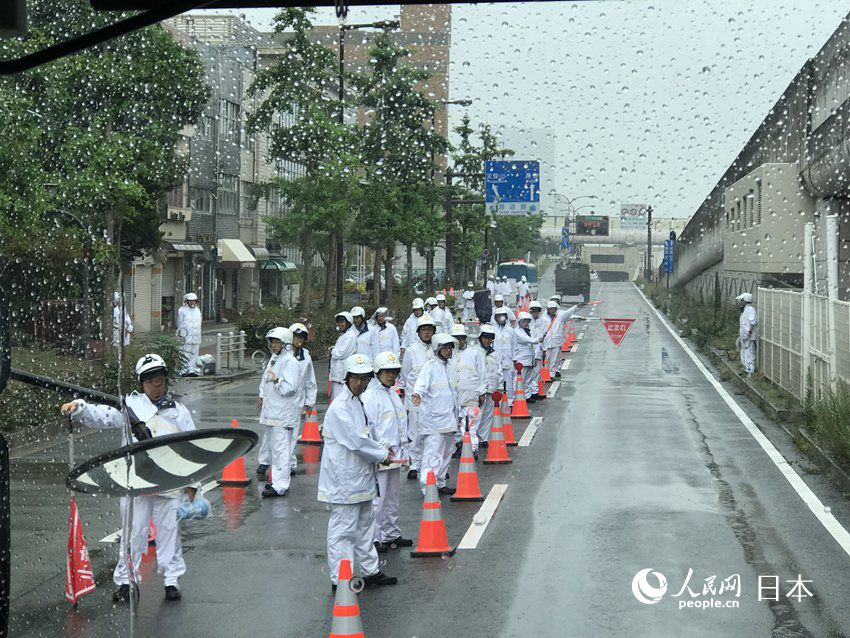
x: 230, y: 346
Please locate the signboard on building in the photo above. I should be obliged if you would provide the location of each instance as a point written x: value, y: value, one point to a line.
x: 633, y: 216
x: 512, y: 187
x: 592, y: 225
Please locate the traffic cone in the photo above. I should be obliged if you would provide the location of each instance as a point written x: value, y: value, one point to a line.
x: 433, y: 538
x: 310, y: 458
x: 467, y: 474
x: 507, y: 426
x: 497, y: 451
x: 329, y: 388
x: 310, y: 432
x: 151, y: 532
x: 520, y: 410
x: 572, y: 334
x: 345, y: 622
x: 545, y: 374
x: 234, y: 499
x: 79, y: 577
x: 234, y: 474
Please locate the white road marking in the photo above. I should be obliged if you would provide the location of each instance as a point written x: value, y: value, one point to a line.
x: 482, y: 517
x: 574, y: 348
x: 525, y: 439
x: 815, y: 505
x: 580, y: 335
x: 565, y: 365
x: 553, y: 389
x: 114, y: 537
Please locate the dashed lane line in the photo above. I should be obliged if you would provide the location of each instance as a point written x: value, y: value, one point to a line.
x: 566, y: 365
x: 533, y: 425
x: 553, y: 389
x: 483, y: 517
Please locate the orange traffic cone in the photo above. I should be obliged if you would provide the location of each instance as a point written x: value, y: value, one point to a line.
x: 497, y: 451
x: 545, y: 374
x: 345, y: 622
x: 234, y: 499
x: 151, y: 532
x: 310, y: 432
x: 467, y: 474
x: 433, y: 538
x: 234, y: 474
x: 507, y: 426
x: 329, y: 388
x: 310, y: 458
x: 520, y: 410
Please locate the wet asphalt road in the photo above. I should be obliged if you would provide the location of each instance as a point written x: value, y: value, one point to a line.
x: 638, y: 464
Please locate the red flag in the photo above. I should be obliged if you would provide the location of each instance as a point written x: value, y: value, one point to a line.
x: 79, y: 579
x: 617, y: 328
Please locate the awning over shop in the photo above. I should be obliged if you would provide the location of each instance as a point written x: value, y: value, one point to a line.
x: 260, y: 252
x: 232, y: 252
x: 277, y: 264
x: 184, y: 247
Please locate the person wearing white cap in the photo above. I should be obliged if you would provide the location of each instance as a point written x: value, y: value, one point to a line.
x: 347, y: 478
x: 504, y: 345
x: 504, y: 287
x: 492, y: 286
x: 522, y: 290
x: 307, y: 389
x: 346, y: 345
x: 499, y: 302
x: 408, y: 331
x: 470, y: 365
x: 430, y: 304
x: 417, y: 355
x: 525, y: 348
x: 384, y: 334
x: 553, y: 336
x: 748, y: 331
x: 189, y: 331
x: 492, y: 382
x: 469, y: 302
x: 281, y: 409
x: 361, y: 327
x: 442, y: 316
x: 387, y: 421
x: 556, y: 298
x: 116, y: 322
x: 436, y: 396
x: 538, y: 330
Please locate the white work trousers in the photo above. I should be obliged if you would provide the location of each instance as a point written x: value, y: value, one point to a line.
x: 532, y: 386
x: 509, y: 378
x: 265, y: 455
x: 415, y: 448
x: 279, y: 446
x: 436, y: 455
x: 554, y: 359
x: 351, y: 535
x: 385, y: 506
x: 293, y: 442
x: 748, y: 354
x: 485, y: 423
x: 169, y: 550
x: 471, y: 415
x: 190, y: 357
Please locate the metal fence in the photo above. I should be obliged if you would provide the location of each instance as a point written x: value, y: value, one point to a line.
x: 229, y: 348
x: 792, y: 340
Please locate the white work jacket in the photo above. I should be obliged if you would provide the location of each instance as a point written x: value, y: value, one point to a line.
x: 281, y: 406
x: 747, y: 321
x: 307, y: 389
x: 346, y: 345
x: 384, y: 339
x: 470, y: 367
x: 189, y: 324
x: 415, y: 357
x: 524, y: 347
x: 556, y: 326
x: 504, y: 345
x: 387, y: 419
x: 437, y: 385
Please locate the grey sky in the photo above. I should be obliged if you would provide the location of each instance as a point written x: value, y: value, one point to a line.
x: 646, y: 101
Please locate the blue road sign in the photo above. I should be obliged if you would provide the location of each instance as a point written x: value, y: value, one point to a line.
x: 512, y: 187
x: 669, y: 252
x: 565, y: 238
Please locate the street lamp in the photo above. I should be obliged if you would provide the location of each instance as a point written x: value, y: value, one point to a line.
x: 386, y: 25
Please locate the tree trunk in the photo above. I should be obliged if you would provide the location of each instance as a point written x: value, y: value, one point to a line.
x: 388, y: 273
x: 307, y: 277
x: 329, y: 271
x: 409, y: 266
x: 429, y: 272
x: 376, y: 274
x: 110, y: 285
x: 464, y: 254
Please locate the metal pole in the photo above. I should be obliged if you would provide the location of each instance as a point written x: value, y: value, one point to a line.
x: 832, y: 294
x: 648, y: 273
x: 808, y: 279
x: 340, y: 243
x: 449, y: 224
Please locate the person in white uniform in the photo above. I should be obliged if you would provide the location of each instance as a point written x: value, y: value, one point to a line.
x: 346, y: 345
x: 469, y: 303
x: 408, y: 330
x: 307, y: 388
x: 155, y: 413
x: 524, y: 350
x: 505, y: 287
x: 282, y: 407
x: 189, y: 331
x: 361, y: 327
x: 430, y: 304
x: 492, y: 286
x: 538, y: 331
x: 553, y: 336
x: 442, y: 316
x: 415, y: 358
x: 522, y: 289
x: 347, y: 478
x: 384, y: 334
x: 492, y: 382
x: 470, y: 365
x: 387, y: 421
x: 504, y: 346
x: 748, y: 332
x: 435, y: 394
x: 499, y: 302
x: 116, y: 321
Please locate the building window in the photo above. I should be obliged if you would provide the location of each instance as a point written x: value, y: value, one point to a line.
x: 230, y: 121
x: 246, y: 196
x: 228, y: 194
x: 176, y: 197
x: 207, y: 127
x: 202, y: 200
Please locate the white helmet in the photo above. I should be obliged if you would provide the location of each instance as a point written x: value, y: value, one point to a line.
x: 150, y: 363
x: 380, y: 311
x: 430, y: 301
x: 746, y: 297
x: 487, y: 331
x: 387, y: 361
x: 535, y: 305
x: 523, y: 316
x: 469, y: 284
x: 417, y: 304
x: 190, y: 296
x: 459, y: 330
x: 345, y: 315
x: 358, y: 364
x: 501, y: 311
x: 443, y: 339
x: 522, y: 278
x: 498, y: 298
x: 116, y: 298
x: 284, y: 335
x: 425, y: 320
x: 504, y: 277
x: 555, y: 298
x: 358, y: 311
x: 440, y: 297
x: 552, y: 304
x: 299, y: 328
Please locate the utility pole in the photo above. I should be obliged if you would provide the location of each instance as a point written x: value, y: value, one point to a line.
x: 648, y: 273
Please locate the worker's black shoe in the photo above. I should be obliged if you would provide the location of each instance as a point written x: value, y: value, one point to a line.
x: 531, y: 399
x: 333, y: 587
x: 412, y: 475
x: 483, y: 444
x: 379, y: 579
x: 172, y: 593
x: 262, y: 471
x: 122, y: 594
x: 447, y: 491
x: 291, y: 472
x: 541, y: 397
x: 270, y: 492
x: 475, y: 454
x: 557, y: 375
x: 400, y: 542
x: 382, y: 548
x: 456, y: 453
